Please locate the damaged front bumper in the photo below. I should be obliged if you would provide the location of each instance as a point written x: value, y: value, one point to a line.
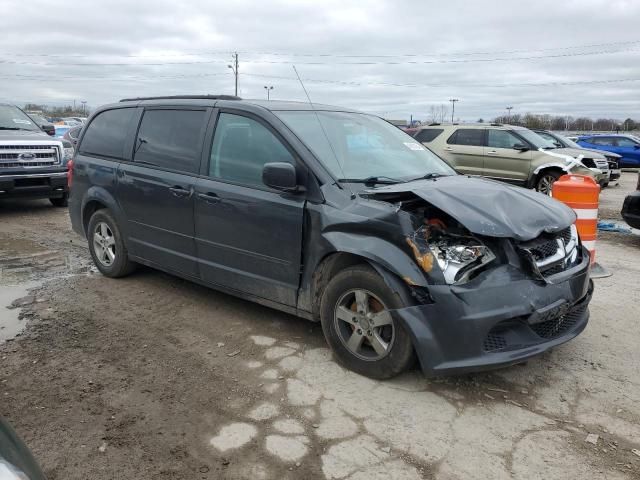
x: 500, y: 318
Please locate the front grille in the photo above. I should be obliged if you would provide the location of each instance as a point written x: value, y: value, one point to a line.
x: 565, y: 234
x: 550, y: 254
x: 545, y: 250
x: 559, y: 325
x: 13, y: 156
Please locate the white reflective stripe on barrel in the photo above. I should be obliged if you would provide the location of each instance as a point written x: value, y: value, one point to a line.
x: 586, y: 213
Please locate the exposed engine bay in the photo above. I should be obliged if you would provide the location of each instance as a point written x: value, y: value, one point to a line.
x: 440, y: 238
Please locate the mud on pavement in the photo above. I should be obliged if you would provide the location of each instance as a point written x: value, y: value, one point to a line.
x: 152, y: 377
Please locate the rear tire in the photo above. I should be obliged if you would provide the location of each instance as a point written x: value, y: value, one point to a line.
x: 60, y: 201
x: 545, y: 181
x: 107, y: 247
x: 357, y: 326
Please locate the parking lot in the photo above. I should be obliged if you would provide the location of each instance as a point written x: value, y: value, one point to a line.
x: 152, y: 377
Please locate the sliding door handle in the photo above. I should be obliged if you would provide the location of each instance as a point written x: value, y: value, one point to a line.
x: 180, y: 192
x: 209, y: 197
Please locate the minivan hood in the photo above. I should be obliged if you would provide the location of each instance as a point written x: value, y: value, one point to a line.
x: 486, y: 207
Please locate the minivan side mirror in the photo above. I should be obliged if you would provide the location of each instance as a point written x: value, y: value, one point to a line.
x: 521, y: 147
x: 636, y: 146
x: 280, y: 176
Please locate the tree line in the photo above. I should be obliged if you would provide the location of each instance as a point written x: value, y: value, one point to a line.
x: 557, y: 122
x: 61, y: 111
x: 442, y: 114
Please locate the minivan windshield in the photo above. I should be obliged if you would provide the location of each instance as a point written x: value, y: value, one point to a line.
x: 12, y: 118
x: 363, y: 148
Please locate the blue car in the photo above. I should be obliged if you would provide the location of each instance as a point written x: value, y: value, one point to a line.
x: 627, y: 146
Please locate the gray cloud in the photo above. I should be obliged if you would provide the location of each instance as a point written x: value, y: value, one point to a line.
x: 166, y: 47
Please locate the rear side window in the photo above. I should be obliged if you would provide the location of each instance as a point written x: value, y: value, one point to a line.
x: 467, y: 136
x: 241, y: 147
x: 625, y: 142
x: 106, y: 134
x: 601, y: 141
x: 428, y: 134
x: 502, y: 139
x: 171, y: 139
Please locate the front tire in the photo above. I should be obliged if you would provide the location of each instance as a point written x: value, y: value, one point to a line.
x: 546, y: 180
x: 354, y: 311
x: 107, y: 247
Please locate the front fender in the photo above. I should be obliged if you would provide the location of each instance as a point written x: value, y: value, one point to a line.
x: 380, y: 252
x: 561, y: 166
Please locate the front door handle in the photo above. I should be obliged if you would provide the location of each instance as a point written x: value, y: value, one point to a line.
x: 448, y: 149
x: 180, y: 192
x: 209, y: 197
x: 492, y: 152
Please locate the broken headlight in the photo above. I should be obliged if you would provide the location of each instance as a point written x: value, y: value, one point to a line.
x: 458, y: 256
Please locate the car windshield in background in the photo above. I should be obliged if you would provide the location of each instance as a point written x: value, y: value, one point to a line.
x: 12, y: 118
x: 568, y: 142
x: 536, y: 140
x: 357, y: 146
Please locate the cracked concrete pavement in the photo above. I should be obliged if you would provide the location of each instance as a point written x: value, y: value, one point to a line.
x: 145, y: 367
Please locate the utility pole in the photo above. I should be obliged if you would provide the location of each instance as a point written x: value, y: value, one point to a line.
x: 234, y: 69
x: 453, y: 106
x: 268, y: 89
x: 83, y: 102
x: 509, y: 114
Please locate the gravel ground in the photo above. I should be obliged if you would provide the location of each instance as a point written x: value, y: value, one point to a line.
x: 152, y: 377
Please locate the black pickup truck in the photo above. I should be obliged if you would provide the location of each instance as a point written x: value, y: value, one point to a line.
x: 32, y: 164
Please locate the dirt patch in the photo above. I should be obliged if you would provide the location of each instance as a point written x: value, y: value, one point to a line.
x: 153, y: 377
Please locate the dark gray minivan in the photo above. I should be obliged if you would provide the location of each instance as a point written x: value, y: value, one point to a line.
x: 335, y: 216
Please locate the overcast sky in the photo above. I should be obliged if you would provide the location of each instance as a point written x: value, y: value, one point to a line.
x: 393, y: 58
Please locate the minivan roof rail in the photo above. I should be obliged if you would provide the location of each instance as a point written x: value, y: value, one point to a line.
x: 433, y: 124
x: 496, y: 124
x: 185, y: 97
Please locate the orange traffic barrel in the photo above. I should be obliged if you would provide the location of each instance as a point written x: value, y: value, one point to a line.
x: 581, y: 193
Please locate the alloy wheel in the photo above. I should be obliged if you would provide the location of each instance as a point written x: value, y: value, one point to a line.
x: 364, y: 325
x: 104, y: 244
x: 545, y: 185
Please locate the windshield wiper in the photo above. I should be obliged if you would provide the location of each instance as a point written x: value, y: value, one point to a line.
x: 428, y: 176
x: 373, y: 180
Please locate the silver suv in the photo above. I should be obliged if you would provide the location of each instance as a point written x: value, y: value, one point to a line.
x: 509, y: 153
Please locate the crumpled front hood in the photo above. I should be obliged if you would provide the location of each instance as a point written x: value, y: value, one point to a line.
x: 486, y: 207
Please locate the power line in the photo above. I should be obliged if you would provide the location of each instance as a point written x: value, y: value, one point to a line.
x: 290, y: 62
x: 459, y: 85
x: 49, y: 78
x: 330, y: 55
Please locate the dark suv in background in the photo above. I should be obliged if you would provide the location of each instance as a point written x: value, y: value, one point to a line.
x: 612, y: 159
x: 335, y: 216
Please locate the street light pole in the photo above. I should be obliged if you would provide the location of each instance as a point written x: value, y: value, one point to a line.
x: 509, y: 114
x: 453, y: 106
x: 268, y: 89
x: 234, y: 69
